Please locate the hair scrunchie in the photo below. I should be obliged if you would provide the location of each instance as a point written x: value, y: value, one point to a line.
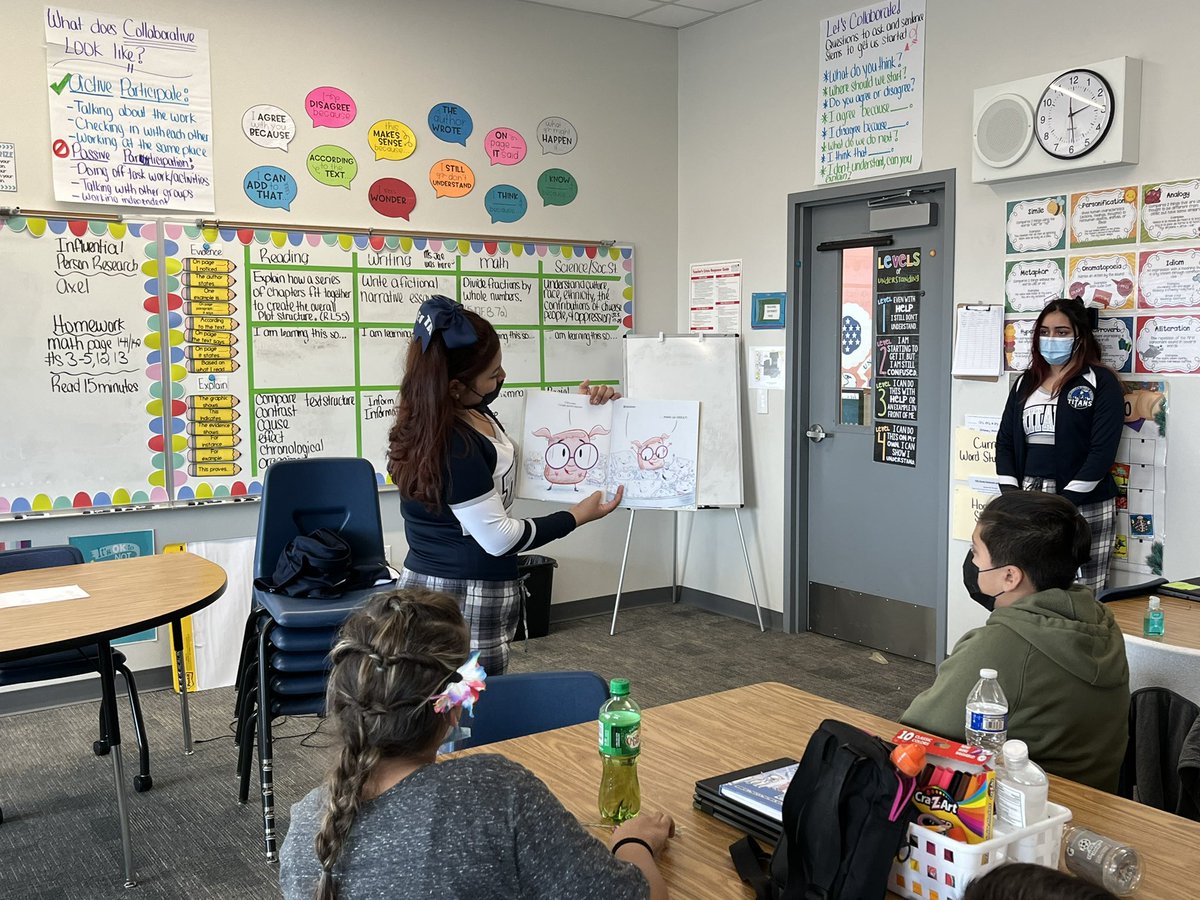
x: 442, y: 314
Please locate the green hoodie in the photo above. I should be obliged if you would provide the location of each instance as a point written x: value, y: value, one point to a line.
x: 1061, y: 663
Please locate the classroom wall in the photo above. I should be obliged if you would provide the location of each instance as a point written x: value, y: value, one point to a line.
x: 508, y: 64
x: 748, y: 86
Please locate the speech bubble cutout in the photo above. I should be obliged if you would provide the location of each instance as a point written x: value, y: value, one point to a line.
x: 393, y: 198
x: 557, y: 187
x: 390, y: 139
x: 451, y: 123
x: 332, y: 165
x: 557, y: 135
x: 269, y: 126
x: 330, y: 106
x: 451, y: 178
x: 505, y: 203
x: 504, y: 147
x: 270, y: 187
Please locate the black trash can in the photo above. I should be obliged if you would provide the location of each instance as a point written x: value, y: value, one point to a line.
x: 538, y: 572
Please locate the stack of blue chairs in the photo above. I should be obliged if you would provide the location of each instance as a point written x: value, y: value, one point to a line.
x: 285, y: 652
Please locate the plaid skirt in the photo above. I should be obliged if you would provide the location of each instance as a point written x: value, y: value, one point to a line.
x: 1102, y: 519
x: 491, y: 608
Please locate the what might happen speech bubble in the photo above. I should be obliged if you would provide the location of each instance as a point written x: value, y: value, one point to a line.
x: 332, y: 165
x: 270, y: 187
x: 505, y: 203
x: 556, y: 135
x: 269, y: 126
x: 451, y: 123
x: 330, y: 107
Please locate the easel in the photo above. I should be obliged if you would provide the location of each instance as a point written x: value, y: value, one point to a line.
x: 737, y: 512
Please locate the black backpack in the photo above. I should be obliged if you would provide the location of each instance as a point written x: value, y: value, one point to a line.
x: 845, y: 818
x: 320, y: 565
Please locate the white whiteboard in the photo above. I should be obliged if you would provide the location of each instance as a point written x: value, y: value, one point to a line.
x: 708, y: 369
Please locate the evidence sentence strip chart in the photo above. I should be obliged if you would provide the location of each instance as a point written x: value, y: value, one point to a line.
x: 272, y: 345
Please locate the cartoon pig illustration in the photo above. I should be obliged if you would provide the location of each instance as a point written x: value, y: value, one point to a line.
x: 651, y: 454
x: 570, y: 454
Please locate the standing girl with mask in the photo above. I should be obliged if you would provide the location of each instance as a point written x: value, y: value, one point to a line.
x: 1062, y: 424
x: 456, y: 470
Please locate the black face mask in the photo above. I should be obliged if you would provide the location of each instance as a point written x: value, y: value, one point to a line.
x: 486, y: 399
x: 971, y: 583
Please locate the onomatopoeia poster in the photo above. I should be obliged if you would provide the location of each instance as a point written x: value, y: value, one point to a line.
x: 130, y: 111
x: 870, y: 106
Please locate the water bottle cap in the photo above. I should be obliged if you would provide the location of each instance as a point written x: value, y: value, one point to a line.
x: 987, y: 673
x: 1015, y: 749
x: 1155, y: 603
x: 619, y: 687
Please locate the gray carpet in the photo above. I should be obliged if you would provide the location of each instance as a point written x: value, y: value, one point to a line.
x: 60, y: 838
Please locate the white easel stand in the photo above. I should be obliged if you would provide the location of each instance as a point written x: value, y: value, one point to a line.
x: 675, y: 567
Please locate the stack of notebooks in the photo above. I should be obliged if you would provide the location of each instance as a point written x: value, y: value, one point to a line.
x: 750, y: 800
x: 1188, y: 590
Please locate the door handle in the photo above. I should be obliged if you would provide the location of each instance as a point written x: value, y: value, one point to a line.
x: 816, y: 434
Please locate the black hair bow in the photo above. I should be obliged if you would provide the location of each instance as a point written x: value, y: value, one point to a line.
x: 442, y: 314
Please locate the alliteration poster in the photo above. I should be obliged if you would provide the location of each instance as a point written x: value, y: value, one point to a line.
x: 130, y: 111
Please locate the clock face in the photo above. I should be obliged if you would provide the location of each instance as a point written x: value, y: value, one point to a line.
x: 1074, y: 114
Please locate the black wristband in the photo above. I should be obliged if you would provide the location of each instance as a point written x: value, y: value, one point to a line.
x: 632, y: 840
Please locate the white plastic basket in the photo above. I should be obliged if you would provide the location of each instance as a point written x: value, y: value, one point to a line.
x: 939, y: 867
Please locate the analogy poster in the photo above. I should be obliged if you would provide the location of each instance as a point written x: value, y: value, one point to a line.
x: 715, y: 296
x: 1171, y: 211
x: 117, y: 545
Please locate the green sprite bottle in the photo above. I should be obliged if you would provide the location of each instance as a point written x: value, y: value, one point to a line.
x: 620, y: 744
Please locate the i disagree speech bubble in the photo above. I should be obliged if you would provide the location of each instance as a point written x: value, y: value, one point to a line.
x: 330, y: 106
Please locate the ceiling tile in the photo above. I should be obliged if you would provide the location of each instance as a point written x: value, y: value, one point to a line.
x: 622, y: 9
x: 673, y: 16
x: 718, y: 6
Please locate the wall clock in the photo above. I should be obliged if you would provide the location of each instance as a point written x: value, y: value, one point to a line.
x: 1074, y: 114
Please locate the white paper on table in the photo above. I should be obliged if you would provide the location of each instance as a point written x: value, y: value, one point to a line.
x: 979, y: 341
x: 35, y: 596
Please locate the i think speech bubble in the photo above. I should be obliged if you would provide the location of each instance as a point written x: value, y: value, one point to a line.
x: 451, y: 178
x: 505, y: 203
x: 332, y: 165
x: 451, y: 123
x: 270, y: 187
x: 504, y: 147
x: 557, y: 135
x: 269, y: 126
x: 393, y: 198
x: 390, y: 139
x: 557, y: 187
x: 331, y: 107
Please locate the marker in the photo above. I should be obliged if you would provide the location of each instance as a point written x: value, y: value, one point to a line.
x: 201, y: 366
x: 208, y: 351
x: 207, y: 279
x: 214, y: 470
x: 213, y: 415
x: 213, y: 323
x: 209, y: 308
x: 224, y: 454
x: 212, y: 429
x: 205, y: 264
x: 213, y: 401
x: 207, y: 293
x: 222, y: 338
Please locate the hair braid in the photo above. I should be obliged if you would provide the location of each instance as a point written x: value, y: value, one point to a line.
x: 345, y: 784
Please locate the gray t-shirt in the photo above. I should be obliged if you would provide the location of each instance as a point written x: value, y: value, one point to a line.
x: 474, y: 828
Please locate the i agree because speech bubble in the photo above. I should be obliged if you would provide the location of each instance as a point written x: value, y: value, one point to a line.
x: 269, y: 126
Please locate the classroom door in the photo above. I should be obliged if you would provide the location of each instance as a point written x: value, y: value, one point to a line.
x: 871, y: 415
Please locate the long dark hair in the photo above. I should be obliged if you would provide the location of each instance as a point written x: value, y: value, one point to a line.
x: 1085, y: 352
x: 391, y: 657
x: 425, y: 414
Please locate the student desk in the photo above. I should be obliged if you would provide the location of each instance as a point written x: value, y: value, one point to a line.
x: 124, y: 596
x: 1183, y: 619
x: 718, y: 733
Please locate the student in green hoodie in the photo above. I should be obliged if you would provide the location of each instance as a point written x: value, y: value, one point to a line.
x: 1059, y: 653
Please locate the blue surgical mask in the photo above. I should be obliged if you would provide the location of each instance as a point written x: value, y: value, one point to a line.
x: 1056, y: 350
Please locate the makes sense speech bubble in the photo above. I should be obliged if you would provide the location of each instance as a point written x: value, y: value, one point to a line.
x: 270, y: 187
x: 332, y: 165
x: 451, y: 178
x: 557, y: 187
x: 556, y: 135
x: 505, y: 203
x: 393, y: 198
x: 451, y: 123
x: 330, y: 106
x: 390, y: 139
x: 504, y: 147
x: 269, y: 126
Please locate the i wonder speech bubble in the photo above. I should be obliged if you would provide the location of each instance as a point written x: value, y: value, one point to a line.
x: 332, y: 165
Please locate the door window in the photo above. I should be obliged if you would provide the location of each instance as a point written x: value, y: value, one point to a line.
x: 856, y: 334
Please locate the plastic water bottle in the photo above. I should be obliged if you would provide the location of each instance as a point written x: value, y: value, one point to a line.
x: 620, y: 744
x: 1021, y: 793
x: 1154, y: 625
x: 1103, y: 861
x: 987, y: 714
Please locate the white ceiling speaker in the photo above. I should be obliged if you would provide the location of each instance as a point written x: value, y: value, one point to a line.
x: 1003, y: 130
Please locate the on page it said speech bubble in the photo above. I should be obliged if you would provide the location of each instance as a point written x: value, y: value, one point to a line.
x: 505, y: 203
x: 504, y: 147
x: 269, y: 126
x: 330, y: 106
x: 557, y: 187
x: 557, y: 135
x: 451, y: 123
x: 393, y: 198
x: 390, y: 139
x: 332, y: 165
x: 451, y: 178
x: 270, y: 187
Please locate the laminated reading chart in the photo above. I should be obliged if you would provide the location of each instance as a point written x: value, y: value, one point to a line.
x: 282, y: 345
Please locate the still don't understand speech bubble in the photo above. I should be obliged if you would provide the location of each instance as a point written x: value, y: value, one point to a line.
x: 451, y: 178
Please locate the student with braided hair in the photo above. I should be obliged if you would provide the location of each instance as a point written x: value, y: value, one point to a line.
x: 391, y: 821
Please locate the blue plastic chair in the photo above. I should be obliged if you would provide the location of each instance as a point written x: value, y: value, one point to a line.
x: 1131, y: 590
x: 531, y: 702
x: 78, y: 661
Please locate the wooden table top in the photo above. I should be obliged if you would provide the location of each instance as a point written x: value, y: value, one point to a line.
x: 693, y: 739
x: 1182, y: 619
x: 124, y: 596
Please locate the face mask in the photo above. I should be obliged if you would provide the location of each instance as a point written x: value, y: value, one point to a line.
x: 971, y: 583
x: 1056, y: 350
x: 489, y: 398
